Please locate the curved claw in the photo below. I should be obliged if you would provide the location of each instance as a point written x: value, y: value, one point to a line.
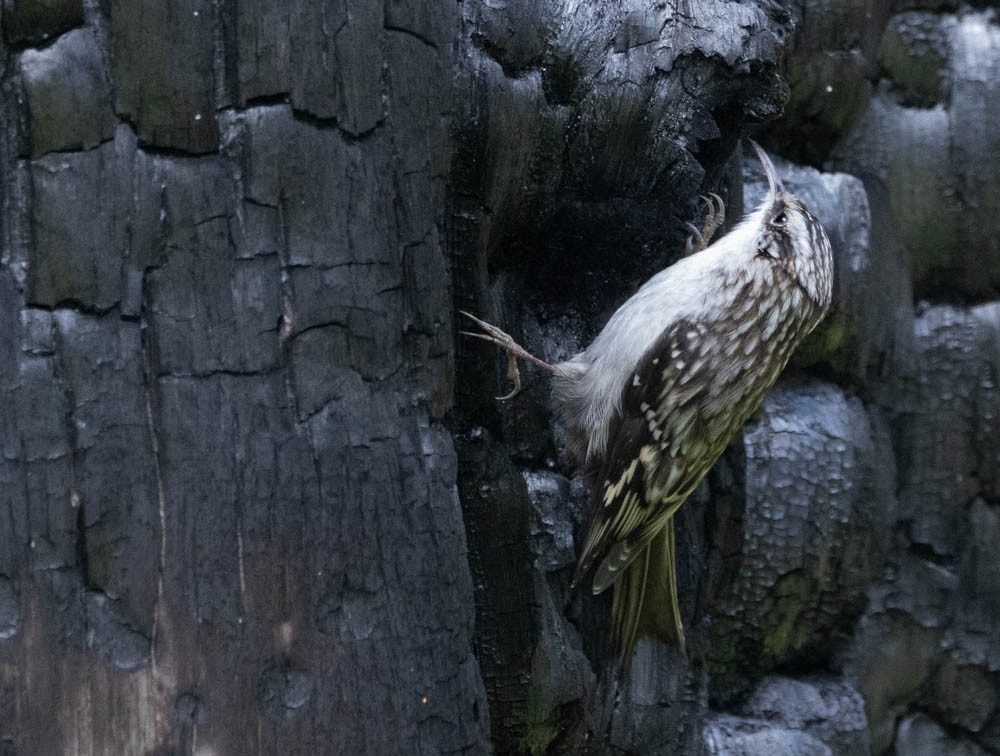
x: 513, y: 373
x: 690, y: 247
x: 514, y: 391
x: 716, y: 215
x: 714, y: 218
x: 717, y: 211
x: 494, y: 335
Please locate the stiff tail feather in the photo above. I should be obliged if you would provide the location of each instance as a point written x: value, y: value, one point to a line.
x: 645, y: 599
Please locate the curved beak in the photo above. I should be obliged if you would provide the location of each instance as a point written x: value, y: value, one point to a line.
x: 774, y: 184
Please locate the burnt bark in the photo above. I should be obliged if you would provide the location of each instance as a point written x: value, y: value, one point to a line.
x: 229, y: 509
x: 256, y: 495
x: 831, y: 569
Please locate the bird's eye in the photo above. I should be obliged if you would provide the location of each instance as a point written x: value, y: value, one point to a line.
x: 780, y: 219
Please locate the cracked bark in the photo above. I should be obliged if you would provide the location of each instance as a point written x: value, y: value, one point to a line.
x: 229, y: 509
x: 229, y: 499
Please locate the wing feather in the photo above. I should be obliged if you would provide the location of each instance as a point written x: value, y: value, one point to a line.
x: 648, y: 472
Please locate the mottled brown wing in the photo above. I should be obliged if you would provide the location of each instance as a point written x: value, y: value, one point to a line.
x: 652, y: 462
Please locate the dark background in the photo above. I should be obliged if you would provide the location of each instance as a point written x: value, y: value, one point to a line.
x: 255, y: 493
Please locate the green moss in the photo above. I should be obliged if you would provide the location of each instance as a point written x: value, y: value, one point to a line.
x: 780, y: 615
x: 828, y: 92
x: 543, y: 720
x: 914, y: 55
x: 538, y: 737
x: 824, y: 345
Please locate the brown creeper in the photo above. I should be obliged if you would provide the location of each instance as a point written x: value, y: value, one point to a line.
x: 652, y: 403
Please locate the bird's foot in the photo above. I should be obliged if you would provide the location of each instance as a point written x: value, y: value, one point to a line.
x: 715, y: 217
x: 514, y: 350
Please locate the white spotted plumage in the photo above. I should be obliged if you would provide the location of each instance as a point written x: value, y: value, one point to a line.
x: 652, y: 402
x: 727, y: 319
x: 591, y: 381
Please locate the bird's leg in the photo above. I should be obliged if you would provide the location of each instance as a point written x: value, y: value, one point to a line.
x: 514, y: 350
x: 713, y: 220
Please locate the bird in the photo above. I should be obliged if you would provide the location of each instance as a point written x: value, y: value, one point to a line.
x: 653, y: 401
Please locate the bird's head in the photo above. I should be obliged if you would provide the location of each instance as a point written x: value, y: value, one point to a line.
x: 790, y: 238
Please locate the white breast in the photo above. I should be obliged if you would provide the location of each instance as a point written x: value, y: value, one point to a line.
x: 690, y: 288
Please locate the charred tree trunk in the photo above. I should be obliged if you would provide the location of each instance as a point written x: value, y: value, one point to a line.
x: 831, y: 570
x: 584, y: 135
x: 228, y: 504
x: 256, y: 496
